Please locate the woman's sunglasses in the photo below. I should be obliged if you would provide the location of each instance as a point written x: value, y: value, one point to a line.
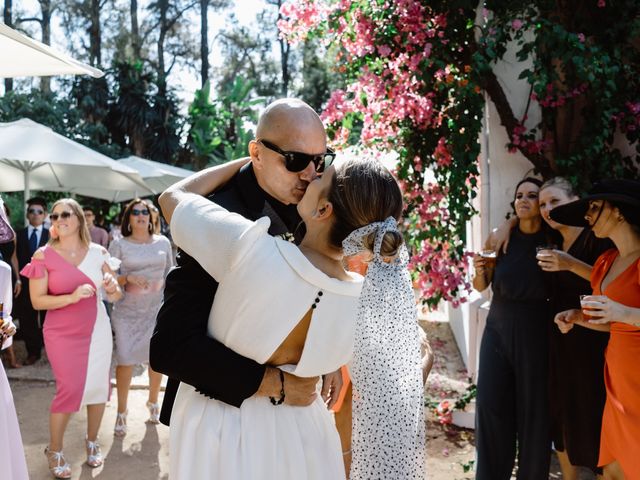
x: 135, y: 212
x: 64, y: 216
x: 298, y: 161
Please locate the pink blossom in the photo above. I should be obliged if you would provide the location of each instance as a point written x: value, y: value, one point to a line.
x: 602, y: 4
x: 384, y: 50
x: 516, y: 24
x: 581, y: 37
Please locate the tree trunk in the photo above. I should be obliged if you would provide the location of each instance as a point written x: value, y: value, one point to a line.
x: 8, y: 20
x: 285, y: 48
x: 284, y: 60
x: 162, y: 81
x: 204, y: 41
x: 490, y: 83
x: 135, y: 30
x: 45, y: 8
x: 95, y: 54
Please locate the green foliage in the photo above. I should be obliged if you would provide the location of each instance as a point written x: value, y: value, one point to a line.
x: 221, y: 129
x: 584, y: 60
x: 131, y: 106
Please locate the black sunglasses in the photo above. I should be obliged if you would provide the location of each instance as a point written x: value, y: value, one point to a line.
x: 298, y: 161
x: 35, y: 211
x: 135, y: 212
x: 64, y: 215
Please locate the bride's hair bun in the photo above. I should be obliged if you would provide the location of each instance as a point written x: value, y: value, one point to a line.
x: 362, y: 192
x: 391, y: 243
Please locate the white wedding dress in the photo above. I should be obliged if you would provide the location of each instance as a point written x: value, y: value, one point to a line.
x: 266, y: 287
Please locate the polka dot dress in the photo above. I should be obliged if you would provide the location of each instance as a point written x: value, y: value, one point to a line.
x: 388, y: 440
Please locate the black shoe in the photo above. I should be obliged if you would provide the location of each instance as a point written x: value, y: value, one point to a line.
x: 31, y: 359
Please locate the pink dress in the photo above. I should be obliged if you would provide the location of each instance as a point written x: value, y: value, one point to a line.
x: 77, y: 337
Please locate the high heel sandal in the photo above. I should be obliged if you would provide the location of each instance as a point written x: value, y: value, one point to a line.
x: 154, y: 412
x: 61, y: 469
x: 94, y: 455
x: 120, y: 430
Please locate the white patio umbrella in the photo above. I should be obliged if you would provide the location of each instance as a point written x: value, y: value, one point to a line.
x: 34, y: 157
x: 22, y: 56
x: 158, y: 176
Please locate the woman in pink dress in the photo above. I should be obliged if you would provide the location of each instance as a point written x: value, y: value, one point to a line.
x: 12, y: 462
x: 70, y: 276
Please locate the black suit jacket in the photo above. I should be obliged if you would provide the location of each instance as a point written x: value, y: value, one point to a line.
x: 23, y: 302
x: 22, y: 245
x: 180, y: 346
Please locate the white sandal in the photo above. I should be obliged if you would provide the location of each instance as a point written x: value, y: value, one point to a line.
x: 94, y: 455
x: 154, y: 412
x: 120, y: 429
x: 62, y: 469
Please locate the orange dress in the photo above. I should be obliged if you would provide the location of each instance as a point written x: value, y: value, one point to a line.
x: 620, y: 439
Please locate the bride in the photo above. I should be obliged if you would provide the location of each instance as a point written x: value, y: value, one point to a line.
x: 297, y: 308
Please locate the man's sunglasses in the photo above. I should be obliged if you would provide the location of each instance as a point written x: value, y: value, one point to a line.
x: 135, y: 212
x: 35, y: 211
x: 64, y: 216
x: 298, y: 161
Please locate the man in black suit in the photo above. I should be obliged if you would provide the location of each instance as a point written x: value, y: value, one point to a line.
x: 28, y: 240
x: 269, y: 185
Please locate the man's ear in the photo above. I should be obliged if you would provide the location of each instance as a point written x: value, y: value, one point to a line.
x: 253, y: 153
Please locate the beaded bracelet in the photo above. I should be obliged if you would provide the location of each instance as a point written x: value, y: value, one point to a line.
x: 280, y: 400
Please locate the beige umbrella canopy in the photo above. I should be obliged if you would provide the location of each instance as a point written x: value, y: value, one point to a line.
x: 22, y: 56
x: 157, y: 177
x: 34, y: 157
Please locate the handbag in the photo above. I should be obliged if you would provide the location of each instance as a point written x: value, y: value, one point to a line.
x: 6, y: 232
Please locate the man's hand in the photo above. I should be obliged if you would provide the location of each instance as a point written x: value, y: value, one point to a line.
x: 331, y: 387
x: 298, y: 391
x: 17, y: 289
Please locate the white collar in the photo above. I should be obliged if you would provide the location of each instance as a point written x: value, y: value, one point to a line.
x: 311, y: 274
x: 37, y: 229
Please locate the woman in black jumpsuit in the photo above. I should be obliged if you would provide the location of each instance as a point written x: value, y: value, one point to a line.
x: 512, y: 406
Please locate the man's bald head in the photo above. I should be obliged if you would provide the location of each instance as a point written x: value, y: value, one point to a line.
x: 287, y: 118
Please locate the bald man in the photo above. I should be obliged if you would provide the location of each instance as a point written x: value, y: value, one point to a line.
x: 271, y: 184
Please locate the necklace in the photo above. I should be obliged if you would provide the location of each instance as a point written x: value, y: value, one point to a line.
x: 71, y: 253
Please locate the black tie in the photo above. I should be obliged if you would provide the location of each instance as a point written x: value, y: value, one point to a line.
x: 33, y: 242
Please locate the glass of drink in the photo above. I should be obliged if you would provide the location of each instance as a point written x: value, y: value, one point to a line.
x: 588, y: 306
x: 540, y: 249
x: 490, y: 257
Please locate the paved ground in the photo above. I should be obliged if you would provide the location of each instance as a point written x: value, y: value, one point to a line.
x: 142, y: 455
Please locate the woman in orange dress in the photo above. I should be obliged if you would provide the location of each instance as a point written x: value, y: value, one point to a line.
x: 612, y: 210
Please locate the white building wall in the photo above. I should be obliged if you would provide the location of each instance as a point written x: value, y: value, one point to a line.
x: 500, y: 171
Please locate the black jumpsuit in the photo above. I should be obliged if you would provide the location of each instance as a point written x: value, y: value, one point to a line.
x: 512, y: 406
